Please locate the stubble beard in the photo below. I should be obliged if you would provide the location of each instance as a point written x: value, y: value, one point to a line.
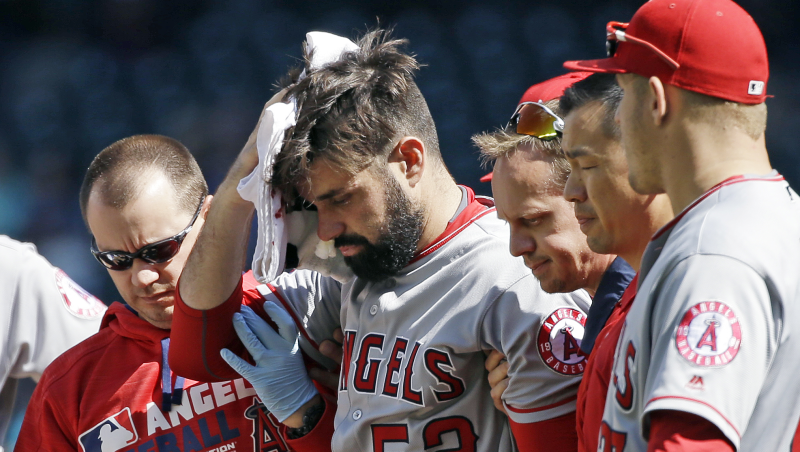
x: 554, y: 285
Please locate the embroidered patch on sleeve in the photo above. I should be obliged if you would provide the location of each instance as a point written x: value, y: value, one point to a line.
x: 78, y: 301
x: 709, y: 334
x: 559, y: 341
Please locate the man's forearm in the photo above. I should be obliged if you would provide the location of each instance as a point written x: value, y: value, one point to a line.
x: 215, y: 265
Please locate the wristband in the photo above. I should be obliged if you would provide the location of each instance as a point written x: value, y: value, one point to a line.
x: 310, y: 420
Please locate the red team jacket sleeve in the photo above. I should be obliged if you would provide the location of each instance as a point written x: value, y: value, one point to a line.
x: 553, y: 434
x: 676, y: 431
x: 198, y: 336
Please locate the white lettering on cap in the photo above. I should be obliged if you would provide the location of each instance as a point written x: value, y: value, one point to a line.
x: 756, y: 88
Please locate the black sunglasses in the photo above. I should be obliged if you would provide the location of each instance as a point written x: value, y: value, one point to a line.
x: 154, y: 253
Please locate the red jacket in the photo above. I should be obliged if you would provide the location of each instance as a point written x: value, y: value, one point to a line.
x: 596, y: 377
x: 106, y: 394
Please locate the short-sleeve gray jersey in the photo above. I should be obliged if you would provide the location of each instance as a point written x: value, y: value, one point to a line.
x: 711, y: 331
x: 42, y: 313
x: 413, y: 374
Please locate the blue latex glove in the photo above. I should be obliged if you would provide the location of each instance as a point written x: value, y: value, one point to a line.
x: 279, y: 377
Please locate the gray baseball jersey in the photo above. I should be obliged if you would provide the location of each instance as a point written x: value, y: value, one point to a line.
x: 413, y: 374
x: 42, y: 313
x: 711, y: 331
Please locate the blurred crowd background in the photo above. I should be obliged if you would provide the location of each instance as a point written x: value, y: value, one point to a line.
x: 79, y: 74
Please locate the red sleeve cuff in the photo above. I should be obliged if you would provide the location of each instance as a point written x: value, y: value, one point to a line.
x: 677, y: 431
x: 319, y: 438
x: 553, y: 434
x: 197, y: 337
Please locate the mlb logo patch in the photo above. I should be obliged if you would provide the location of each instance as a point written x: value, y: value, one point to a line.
x: 755, y: 88
x: 110, y: 435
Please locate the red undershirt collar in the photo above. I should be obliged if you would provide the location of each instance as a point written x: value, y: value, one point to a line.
x: 477, y: 206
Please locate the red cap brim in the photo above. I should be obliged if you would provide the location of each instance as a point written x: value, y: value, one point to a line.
x: 487, y: 178
x: 604, y: 65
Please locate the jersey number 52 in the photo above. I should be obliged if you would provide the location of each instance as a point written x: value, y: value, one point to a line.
x: 432, y: 434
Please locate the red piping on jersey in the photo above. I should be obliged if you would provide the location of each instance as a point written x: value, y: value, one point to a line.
x: 430, y: 249
x: 288, y: 309
x: 481, y: 204
x: 542, y: 408
x: 701, y: 403
x: 729, y: 181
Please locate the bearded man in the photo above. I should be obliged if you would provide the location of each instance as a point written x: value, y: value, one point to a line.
x: 434, y: 288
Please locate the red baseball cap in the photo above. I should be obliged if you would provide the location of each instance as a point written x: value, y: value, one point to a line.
x: 547, y: 91
x: 711, y: 47
x: 552, y: 88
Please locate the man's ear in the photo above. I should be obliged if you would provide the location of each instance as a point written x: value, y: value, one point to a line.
x: 206, y: 206
x: 409, y: 153
x: 659, y: 104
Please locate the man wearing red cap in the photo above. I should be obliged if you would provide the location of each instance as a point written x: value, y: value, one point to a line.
x: 705, y: 359
x: 530, y: 171
x: 614, y: 219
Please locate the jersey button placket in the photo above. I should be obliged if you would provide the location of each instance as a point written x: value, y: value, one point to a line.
x: 357, y: 415
x: 373, y: 309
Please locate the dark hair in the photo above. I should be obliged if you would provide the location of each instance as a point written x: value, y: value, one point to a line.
x: 597, y: 87
x: 121, y: 169
x: 352, y: 111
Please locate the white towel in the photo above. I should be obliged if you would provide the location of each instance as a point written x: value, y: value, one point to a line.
x: 273, y: 226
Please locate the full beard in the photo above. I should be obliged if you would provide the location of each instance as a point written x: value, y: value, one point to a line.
x: 397, y: 240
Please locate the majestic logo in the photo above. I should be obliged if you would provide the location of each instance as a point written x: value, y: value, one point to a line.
x: 560, y: 341
x: 110, y: 435
x: 696, y: 383
x: 79, y: 302
x: 709, y: 334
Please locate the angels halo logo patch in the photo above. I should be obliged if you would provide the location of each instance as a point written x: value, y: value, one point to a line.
x: 78, y: 302
x: 559, y: 341
x: 709, y: 334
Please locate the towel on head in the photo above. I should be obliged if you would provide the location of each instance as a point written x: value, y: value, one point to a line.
x: 275, y: 229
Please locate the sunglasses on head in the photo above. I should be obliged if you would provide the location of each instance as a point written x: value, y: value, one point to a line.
x: 616, y: 33
x: 536, y: 120
x: 154, y: 253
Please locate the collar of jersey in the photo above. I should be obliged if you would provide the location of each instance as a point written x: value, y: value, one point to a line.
x: 477, y: 206
x: 773, y: 176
